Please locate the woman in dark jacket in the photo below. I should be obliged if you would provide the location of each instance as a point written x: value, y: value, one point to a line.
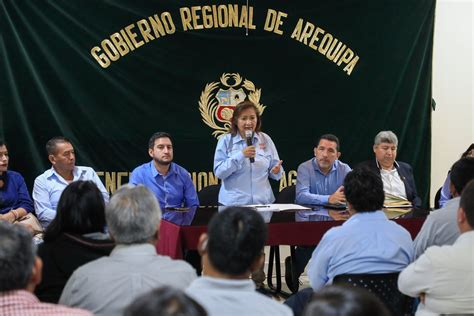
x: 75, y: 237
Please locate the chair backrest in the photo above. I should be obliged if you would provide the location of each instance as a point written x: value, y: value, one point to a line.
x: 384, y: 286
x: 287, y: 195
x: 209, y: 196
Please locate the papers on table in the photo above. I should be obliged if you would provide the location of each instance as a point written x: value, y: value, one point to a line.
x: 278, y: 207
x: 393, y: 201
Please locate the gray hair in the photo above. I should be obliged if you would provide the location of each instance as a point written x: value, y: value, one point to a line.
x: 17, y: 256
x: 386, y: 137
x: 133, y: 215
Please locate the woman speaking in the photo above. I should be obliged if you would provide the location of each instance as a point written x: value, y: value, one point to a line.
x: 245, y: 158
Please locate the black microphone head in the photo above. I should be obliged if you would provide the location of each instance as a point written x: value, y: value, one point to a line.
x: 248, y: 137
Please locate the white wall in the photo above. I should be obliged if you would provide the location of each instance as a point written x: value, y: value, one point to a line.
x: 452, y: 122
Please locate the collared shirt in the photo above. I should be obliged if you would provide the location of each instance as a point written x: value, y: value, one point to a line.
x: 175, y: 189
x: 244, y: 182
x: 392, y: 183
x: 23, y: 303
x: 233, y: 297
x: 446, y: 275
x: 440, y: 228
x: 445, y: 194
x: 315, y: 187
x: 107, y: 285
x: 14, y: 194
x: 50, y: 185
x: 366, y: 243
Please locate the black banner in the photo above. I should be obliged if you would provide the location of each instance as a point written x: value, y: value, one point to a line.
x: 108, y: 74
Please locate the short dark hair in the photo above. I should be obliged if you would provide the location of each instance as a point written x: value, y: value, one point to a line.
x: 3, y: 143
x: 464, y: 154
x: 364, y: 190
x: 242, y: 106
x: 236, y: 238
x: 331, y: 138
x: 151, y: 141
x: 17, y: 256
x: 164, y: 301
x: 467, y: 202
x: 81, y: 210
x: 53, y: 142
x: 461, y: 173
x: 345, y: 300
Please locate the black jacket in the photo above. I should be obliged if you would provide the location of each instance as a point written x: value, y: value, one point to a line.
x: 406, y: 174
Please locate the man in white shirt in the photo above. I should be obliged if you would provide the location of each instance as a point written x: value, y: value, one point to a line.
x: 231, y: 250
x: 49, y: 185
x: 443, y: 277
x: 107, y: 285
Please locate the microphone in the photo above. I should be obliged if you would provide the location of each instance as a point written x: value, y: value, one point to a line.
x: 248, y: 137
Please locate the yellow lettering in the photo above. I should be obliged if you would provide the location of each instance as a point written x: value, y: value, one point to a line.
x: 350, y: 66
x: 325, y: 43
x: 168, y: 22
x: 297, y: 31
x: 233, y: 15
x: 185, y: 18
x: 110, y: 50
x: 133, y: 35
x: 346, y: 57
x: 101, y: 58
x: 315, y: 38
x: 157, y: 26
x: 222, y: 16
x: 196, y: 18
x: 207, y: 16
x: 120, y: 44
x: 307, y: 31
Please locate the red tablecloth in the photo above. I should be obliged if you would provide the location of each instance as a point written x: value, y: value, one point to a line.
x: 174, y: 238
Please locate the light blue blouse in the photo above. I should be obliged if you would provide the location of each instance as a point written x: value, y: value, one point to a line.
x: 244, y: 182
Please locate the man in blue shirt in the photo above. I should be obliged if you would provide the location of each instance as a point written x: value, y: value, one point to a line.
x: 171, y: 183
x: 319, y: 182
x: 368, y: 242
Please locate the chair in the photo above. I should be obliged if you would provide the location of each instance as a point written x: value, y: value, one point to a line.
x: 209, y: 196
x: 384, y: 286
x: 287, y: 195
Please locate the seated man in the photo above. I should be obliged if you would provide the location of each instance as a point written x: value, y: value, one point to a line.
x: 319, y: 182
x: 367, y: 242
x: 397, y: 176
x: 49, y: 185
x: 170, y: 182
x: 440, y: 227
x: 107, y: 285
x: 20, y: 274
x: 231, y: 250
x: 443, y: 277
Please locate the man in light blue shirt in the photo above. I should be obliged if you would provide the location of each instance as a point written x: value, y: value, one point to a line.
x: 171, y: 183
x: 367, y: 242
x: 50, y: 185
x: 319, y: 182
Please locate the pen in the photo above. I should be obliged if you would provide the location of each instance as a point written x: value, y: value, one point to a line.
x: 261, y: 206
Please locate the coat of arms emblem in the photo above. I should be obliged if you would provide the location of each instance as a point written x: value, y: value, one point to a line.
x: 218, y: 100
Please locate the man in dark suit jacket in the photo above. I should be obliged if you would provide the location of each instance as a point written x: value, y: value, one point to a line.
x: 397, y: 176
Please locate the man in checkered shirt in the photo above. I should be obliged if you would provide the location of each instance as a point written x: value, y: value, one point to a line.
x: 20, y: 272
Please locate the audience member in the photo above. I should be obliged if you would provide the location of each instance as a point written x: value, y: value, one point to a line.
x: 171, y: 183
x: 445, y: 194
x: 74, y: 237
x: 165, y: 301
x: 107, y: 285
x: 443, y: 276
x: 49, y: 185
x: 231, y: 250
x: 334, y: 300
x: 319, y: 182
x: 397, y: 176
x: 15, y: 201
x: 367, y: 242
x: 440, y: 227
x: 20, y: 272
